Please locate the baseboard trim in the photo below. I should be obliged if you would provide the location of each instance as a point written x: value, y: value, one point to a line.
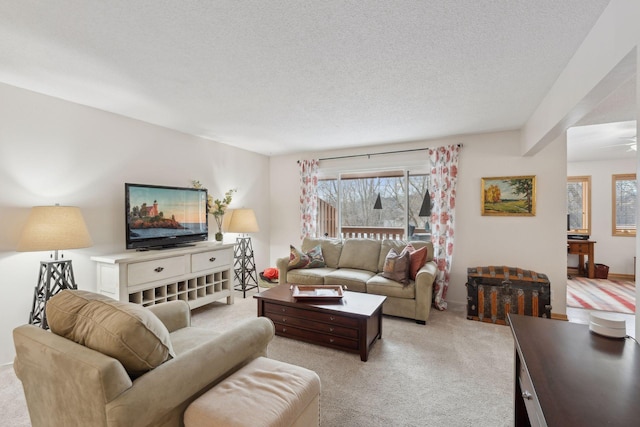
x: 558, y: 316
x: 611, y: 276
x: 628, y: 277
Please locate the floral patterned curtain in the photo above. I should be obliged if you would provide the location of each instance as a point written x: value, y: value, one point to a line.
x: 308, y: 197
x: 443, y: 162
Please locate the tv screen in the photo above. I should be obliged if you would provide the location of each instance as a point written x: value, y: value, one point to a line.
x: 161, y: 217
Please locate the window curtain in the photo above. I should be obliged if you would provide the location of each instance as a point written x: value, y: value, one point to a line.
x: 443, y: 162
x: 308, y: 197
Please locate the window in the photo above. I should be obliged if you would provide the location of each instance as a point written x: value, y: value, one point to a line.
x: 624, y: 191
x: 346, y: 205
x: 579, y: 204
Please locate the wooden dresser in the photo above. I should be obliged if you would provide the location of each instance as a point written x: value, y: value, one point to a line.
x: 567, y: 376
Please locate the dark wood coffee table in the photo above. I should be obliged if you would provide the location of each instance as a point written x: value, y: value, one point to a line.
x: 352, y: 323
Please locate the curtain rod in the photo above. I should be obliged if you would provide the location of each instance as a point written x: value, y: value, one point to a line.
x: 375, y: 154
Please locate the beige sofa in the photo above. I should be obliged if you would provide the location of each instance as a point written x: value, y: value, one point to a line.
x: 69, y: 384
x: 356, y: 264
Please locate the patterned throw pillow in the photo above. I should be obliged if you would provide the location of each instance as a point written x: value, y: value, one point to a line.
x: 418, y: 259
x: 396, y: 267
x: 297, y: 258
x: 316, y: 260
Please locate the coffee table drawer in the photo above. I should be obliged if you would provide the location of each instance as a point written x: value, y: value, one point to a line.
x: 315, y: 337
x: 335, y: 319
x: 313, y: 325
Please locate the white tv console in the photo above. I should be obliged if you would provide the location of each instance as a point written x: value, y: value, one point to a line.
x: 199, y: 275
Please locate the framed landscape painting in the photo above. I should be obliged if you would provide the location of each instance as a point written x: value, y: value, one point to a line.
x: 509, y: 196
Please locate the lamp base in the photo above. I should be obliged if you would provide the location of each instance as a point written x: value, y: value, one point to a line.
x: 244, y: 266
x: 54, y: 276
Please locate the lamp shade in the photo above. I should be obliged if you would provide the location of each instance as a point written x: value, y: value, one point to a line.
x: 240, y: 221
x: 378, y: 203
x: 425, y: 209
x: 52, y: 228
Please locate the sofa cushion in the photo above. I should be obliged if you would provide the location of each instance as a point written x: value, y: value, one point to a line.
x: 399, y: 245
x: 418, y: 259
x: 316, y: 260
x: 297, y: 258
x: 355, y: 280
x: 396, y: 266
x: 429, y: 247
x: 380, y: 285
x: 125, y: 331
x: 361, y: 254
x: 313, y: 276
x: 331, y: 249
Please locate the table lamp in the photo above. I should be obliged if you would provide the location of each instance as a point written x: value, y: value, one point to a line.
x: 52, y: 228
x: 243, y: 221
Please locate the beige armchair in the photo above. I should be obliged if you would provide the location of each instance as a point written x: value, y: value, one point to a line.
x: 69, y: 384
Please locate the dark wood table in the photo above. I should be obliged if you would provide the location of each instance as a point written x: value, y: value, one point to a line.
x: 582, y: 248
x: 568, y: 376
x: 352, y: 323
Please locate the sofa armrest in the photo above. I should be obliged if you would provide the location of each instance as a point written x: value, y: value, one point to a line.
x: 64, y: 382
x: 282, y: 264
x: 424, y: 290
x: 174, y: 314
x: 179, y: 381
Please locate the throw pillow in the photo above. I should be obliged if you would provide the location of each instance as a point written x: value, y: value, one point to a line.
x: 297, y: 258
x: 396, y: 266
x: 418, y: 259
x: 125, y: 331
x: 316, y: 260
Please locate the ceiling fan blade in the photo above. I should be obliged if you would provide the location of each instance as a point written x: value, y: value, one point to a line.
x: 622, y: 144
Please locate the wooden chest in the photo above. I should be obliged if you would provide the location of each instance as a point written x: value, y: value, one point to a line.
x: 494, y: 291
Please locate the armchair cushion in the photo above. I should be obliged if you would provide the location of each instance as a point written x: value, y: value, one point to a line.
x: 127, y: 332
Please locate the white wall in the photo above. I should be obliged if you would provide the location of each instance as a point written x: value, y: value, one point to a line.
x: 536, y: 243
x: 52, y: 151
x: 615, y: 251
x: 606, y: 57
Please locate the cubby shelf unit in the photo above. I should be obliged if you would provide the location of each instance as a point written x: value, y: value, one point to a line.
x: 198, y: 275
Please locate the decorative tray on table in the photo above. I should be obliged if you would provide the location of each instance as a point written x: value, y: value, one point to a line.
x: 303, y: 292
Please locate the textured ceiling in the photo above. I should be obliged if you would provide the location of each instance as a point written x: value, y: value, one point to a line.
x: 283, y: 76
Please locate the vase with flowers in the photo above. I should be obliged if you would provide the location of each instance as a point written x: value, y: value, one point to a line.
x: 217, y: 207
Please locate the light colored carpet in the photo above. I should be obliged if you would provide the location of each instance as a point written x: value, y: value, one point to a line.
x: 450, y: 372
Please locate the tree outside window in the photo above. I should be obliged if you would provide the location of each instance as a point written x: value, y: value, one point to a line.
x: 346, y: 205
x: 624, y: 194
x: 579, y: 204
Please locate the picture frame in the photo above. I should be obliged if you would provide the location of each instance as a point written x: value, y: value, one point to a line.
x: 508, y: 196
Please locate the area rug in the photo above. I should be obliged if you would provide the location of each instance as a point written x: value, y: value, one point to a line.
x: 600, y: 294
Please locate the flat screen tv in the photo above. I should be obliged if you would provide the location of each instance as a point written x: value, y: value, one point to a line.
x: 162, y: 217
